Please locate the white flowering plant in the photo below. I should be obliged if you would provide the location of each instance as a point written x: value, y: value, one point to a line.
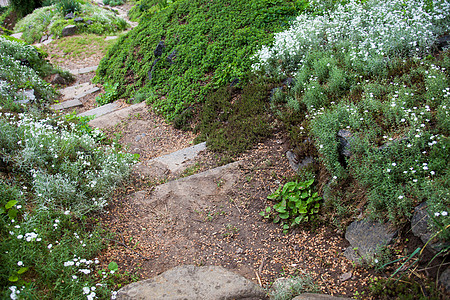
x: 372, y: 69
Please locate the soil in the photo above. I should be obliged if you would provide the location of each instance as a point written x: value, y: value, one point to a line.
x: 228, y: 231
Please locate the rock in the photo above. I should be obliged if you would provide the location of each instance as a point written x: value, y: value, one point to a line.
x: 150, y: 73
x: 234, y: 82
x: 295, y: 163
x: 69, y: 30
x: 171, y: 57
x: 289, y: 81
x: 420, y: 227
x: 44, y: 38
x: 78, y: 19
x: 139, y: 137
x: 192, y: 283
x: 69, y: 16
x: 159, y: 49
x: 345, y: 276
x: 366, y: 238
x: 89, y: 22
x: 58, y: 79
x: 444, y: 279
x: 443, y: 42
x: 310, y: 296
x: 345, y: 138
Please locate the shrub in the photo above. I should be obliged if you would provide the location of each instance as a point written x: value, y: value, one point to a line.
x: 24, y: 7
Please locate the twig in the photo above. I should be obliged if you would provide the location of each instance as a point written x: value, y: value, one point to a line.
x: 259, y: 279
x: 123, y: 244
x: 261, y: 266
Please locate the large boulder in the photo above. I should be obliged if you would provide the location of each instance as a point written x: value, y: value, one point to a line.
x: 192, y: 283
x: 366, y: 238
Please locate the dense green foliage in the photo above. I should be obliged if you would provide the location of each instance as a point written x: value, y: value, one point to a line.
x: 50, y: 20
x: 24, y: 7
x: 213, y: 43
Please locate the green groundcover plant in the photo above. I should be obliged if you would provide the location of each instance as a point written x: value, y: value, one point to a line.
x: 210, y: 44
x: 372, y: 68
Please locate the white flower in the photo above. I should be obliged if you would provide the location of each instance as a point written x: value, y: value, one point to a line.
x: 432, y: 173
x: 86, y: 290
x: 388, y: 170
x: 444, y: 213
x: 85, y: 271
x: 436, y: 214
x: 400, y: 197
x: 20, y: 263
x: 394, y: 164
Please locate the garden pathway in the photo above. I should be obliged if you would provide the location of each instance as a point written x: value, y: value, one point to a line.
x: 187, y: 205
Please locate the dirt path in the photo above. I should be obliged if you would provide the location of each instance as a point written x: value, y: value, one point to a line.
x: 214, y: 221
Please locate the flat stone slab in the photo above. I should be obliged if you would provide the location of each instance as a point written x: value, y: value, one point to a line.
x: 88, y: 92
x: 76, y: 90
x: 193, y: 283
x: 83, y: 70
x: 173, y: 163
x: 66, y: 104
x: 108, y: 38
x: 17, y: 35
x: 100, y: 111
x: 117, y: 116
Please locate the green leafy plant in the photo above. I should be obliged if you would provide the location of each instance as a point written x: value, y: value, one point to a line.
x: 109, y: 95
x: 68, y: 6
x: 297, y: 203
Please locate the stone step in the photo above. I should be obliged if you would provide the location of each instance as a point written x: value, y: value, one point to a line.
x: 100, y: 111
x: 75, y: 90
x: 174, y: 163
x: 66, y: 104
x: 83, y: 70
x: 117, y: 116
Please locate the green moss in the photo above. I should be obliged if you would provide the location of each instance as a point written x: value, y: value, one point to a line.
x: 214, y: 42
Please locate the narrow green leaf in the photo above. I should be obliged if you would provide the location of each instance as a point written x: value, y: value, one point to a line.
x: 22, y: 270
x: 13, y: 278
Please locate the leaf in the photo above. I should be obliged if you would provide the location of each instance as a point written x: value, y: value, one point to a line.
x: 12, y: 213
x: 276, y: 220
x: 284, y: 215
x: 113, y: 266
x: 11, y: 204
x: 13, y: 278
x: 262, y: 214
x: 22, y: 270
x: 304, y: 195
x: 2, y: 210
x: 309, y: 182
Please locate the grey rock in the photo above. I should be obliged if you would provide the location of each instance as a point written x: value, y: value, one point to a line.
x: 443, y: 42
x: 311, y: 296
x: 159, y: 49
x: 346, y: 276
x: 69, y: 30
x: 171, y: 57
x: 44, y: 38
x: 295, y: 162
x: 17, y: 35
x: 444, y: 279
x: 193, y: 283
x: 420, y: 228
x: 28, y: 96
x: 89, y: 22
x: 69, y: 16
x: 139, y: 137
x: 78, y: 19
x: 150, y: 73
x: 367, y: 238
x: 345, y: 138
